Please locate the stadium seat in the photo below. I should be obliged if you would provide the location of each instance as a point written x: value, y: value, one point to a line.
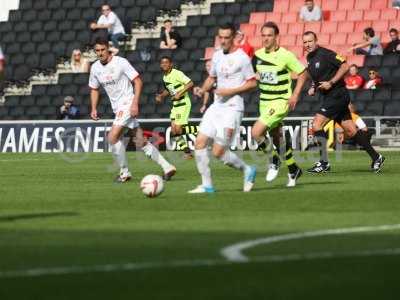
x: 248, y: 29
x: 382, y: 94
x: 273, y: 17
x: 394, y: 24
x: 324, y: 39
x: 381, y: 26
x: 295, y: 5
x: 379, y: 4
x: 329, y: 27
x: 290, y: 17
x: 287, y: 40
x: 374, y: 109
x: 313, y: 26
x: 373, y: 61
x: 338, y: 39
x: 338, y: 16
x: 281, y: 6
x: 355, y: 15
x: 330, y: 5
x: 356, y: 59
x: 392, y: 108
x: 390, y: 60
x: 353, y: 38
x: 346, y: 27
x: 364, y: 95
x: 257, y: 18
x: 297, y: 29
x: 389, y: 14
x: 372, y: 15
x: 361, y: 25
x: 346, y: 5
x: 363, y: 4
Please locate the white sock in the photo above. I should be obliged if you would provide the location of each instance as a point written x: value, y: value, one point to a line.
x: 202, y: 162
x: 231, y: 159
x: 119, y: 153
x: 156, y: 156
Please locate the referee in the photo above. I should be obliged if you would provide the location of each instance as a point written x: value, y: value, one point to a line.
x: 327, y: 70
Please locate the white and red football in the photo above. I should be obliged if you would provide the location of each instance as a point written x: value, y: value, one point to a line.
x: 152, y: 185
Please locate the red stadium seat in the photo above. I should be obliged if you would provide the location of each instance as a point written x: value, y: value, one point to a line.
x: 355, y: 15
x: 324, y: 39
x: 338, y: 38
x: 299, y: 40
x: 296, y: 5
x: 389, y: 14
x: 290, y: 17
x: 326, y: 15
x: 356, y: 59
x: 257, y: 18
x: 338, y: 16
x: 372, y: 15
x: 248, y: 29
x: 329, y: 27
x: 281, y: 6
x: 273, y: 17
x: 381, y: 26
x: 255, y: 41
x: 395, y: 24
x: 283, y: 28
x: 297, y: 50
x: 361, y: 25
x: 362, y: 4
x: 287, y: 40
x: 296, y: 29
x: 346, y: 27
x: 346, y: 5
x: 329, y: 5
x: 354, y: 38
x: 380, y: 4
x: 313, y: 26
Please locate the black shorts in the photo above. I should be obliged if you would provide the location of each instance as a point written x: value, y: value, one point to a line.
x: 335, y: 105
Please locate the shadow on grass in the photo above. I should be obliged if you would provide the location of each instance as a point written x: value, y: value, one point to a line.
x: 11, y: 218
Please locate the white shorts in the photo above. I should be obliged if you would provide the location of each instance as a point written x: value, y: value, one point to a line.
x: 217, y: 120
x: 123, y: 118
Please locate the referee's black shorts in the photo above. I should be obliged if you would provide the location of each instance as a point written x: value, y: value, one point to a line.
x: 335, y: 105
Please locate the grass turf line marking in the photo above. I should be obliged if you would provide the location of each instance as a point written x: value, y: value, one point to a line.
x: 73, y: 270
x: 234, y: 252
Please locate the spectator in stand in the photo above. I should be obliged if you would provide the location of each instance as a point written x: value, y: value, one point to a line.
x: 394, y: 45
x: 170, y: 39
x: 1, y: 72
x: 310, y: 12
x: 78, y: 63
x: 110, y: 21
x: 374, y: 80
x: 241, y: 41
x: 354, y: 80
x: 371, y: 44
x: 396, y: 4
x: 68, y: 111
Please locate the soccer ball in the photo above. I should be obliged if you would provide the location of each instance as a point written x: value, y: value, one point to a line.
x: 152, y: 185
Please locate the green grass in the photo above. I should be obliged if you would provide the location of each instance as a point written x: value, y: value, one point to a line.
x: 58, y: 211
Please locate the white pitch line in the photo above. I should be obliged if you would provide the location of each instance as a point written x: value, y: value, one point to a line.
x: 234, y: 252
x: 73, y: 270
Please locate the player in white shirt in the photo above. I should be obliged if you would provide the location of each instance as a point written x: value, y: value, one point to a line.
x: 116, y: 75
x: 231, y: 69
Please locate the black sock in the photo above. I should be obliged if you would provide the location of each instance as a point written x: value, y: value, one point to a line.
x: 289, y: 159
x: 190, y: 129
x: 362, y: 139
x: 322, y: 140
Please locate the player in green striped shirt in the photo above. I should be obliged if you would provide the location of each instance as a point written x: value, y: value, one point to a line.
x: 177, y: 86
x: 274, y: 65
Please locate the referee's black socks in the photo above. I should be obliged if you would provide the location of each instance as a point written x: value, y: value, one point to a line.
x: 362, y: 138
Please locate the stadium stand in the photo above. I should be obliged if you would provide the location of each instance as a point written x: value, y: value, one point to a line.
x: 41, y: 32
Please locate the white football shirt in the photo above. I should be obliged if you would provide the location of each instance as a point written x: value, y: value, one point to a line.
x: 113, y: 20
x: 116, y: 79
x: 231, y: 70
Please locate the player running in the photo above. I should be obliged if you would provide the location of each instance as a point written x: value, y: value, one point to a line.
x: 327, y: 70
x: 231, y: 69
x: 177, y: 85
x: 274, y: 66
x: 116, y: 75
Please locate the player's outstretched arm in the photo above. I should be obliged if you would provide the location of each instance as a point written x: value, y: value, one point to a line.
x: 138, y: 84
x: 94, y: 100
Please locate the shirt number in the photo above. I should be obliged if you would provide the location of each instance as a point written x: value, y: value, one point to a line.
x: 269, y: 77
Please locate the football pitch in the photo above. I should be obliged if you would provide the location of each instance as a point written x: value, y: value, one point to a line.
x: 68, y: 232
